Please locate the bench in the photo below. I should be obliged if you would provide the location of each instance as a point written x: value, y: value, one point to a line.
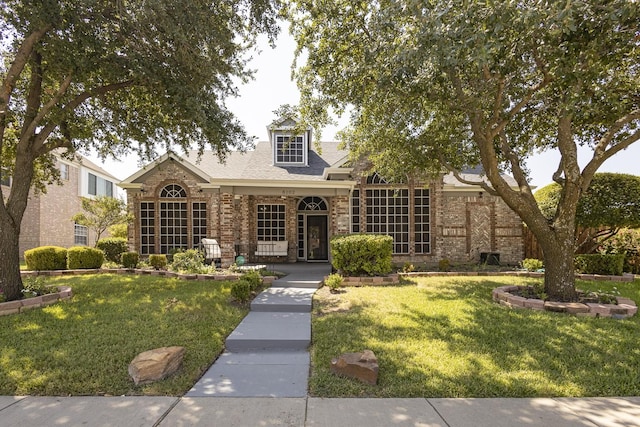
x: 212, y: 252
x: 273, y: 248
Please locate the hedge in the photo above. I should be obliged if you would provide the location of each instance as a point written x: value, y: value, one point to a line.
x: 46, y: 258
x: 82, y: 257
x: 362, y: 254
x: 609, y: 264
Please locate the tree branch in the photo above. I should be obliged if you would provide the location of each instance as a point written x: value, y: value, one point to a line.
x: 42, y: 136
x: 33, y: 124
x: 483, y: 184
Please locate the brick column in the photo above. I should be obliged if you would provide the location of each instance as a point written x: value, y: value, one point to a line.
x: 226, y: 229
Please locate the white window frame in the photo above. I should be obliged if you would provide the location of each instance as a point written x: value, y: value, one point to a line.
x: 271, y: 222
x: 80, y: 234
x: 292, y: 143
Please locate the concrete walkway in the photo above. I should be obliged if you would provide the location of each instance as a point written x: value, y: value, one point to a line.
x: 267, y: 354
x: 316, y: 412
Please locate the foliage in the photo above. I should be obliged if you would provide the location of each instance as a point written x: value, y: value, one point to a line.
x: 158, y: 261
x: 83, y: 257
x: 532, y: 264
x: 600, y: 264
x: 37, y: 286
x: 452, y: 84
x: 46, y: 258
x: 81, y: 347
x: 113, y: 248
x: 444, y: 265
x: 408, y: 267
x: 254, y: 278
x: 461, y: 344
x: 130, y: 259
x: 611, y: 202
x: 102, y: 212
x: 241, y: 291
x: 362, y: 254
x: 189, y: 261
x: 334, y: 281
x: 116, y: 77
x: 119, y: 231
x: 625, y: 242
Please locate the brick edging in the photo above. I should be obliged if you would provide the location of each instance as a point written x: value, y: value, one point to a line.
x: 533, y: 274
x: 19, y: 306
x: 625, y: 307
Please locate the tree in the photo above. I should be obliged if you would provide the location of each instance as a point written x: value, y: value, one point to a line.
x: 610, y: 203
x: 101, y: 213
x: 451, y: 83
x: 118, y: 77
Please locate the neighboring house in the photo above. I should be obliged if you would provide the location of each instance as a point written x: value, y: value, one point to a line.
x: 289, y: 192
x: 47, y: 218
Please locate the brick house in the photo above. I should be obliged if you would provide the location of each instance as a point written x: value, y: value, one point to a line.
x: 288, y: 191
x: 47, y: 218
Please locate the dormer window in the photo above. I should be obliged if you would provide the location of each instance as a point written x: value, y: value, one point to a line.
x: 290, y: 150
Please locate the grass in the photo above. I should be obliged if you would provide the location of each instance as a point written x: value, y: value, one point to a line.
x: 84, y: 346
x: 445, y: 337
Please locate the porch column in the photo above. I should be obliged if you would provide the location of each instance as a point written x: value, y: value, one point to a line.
x: 226, y: 229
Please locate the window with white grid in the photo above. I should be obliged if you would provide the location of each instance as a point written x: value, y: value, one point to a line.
x: 355, y: 211
x: 199, y: 222
x: 387, y: 212
x: 421, y: 221
x: 271, y: 222
x: 147, y: 228
x: 173, y: 226
x: 80, y: 235
x: 289, y: 149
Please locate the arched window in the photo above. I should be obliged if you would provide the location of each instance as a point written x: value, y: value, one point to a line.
x: 173, y: 191
x: 173, y: 219
x: 312, y: 203
x: 376, y: 179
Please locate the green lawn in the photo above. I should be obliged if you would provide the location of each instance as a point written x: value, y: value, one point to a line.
x: 445, y: 337
x: 84, y: 346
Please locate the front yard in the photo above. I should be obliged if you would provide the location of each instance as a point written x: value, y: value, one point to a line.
x: 83, y: 346
x: 445, y: 337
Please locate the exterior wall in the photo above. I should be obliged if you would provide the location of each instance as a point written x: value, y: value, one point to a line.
x: 475, y: 222
x: 172, y: 173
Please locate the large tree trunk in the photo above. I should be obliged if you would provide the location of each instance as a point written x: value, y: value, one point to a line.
x: 10, y: 281
x: 559, y: 273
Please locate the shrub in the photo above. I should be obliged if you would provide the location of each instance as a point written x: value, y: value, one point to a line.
x: 362, y: 254
x: 130, y: 259
x: 158, y: 261
x: 408, y: 267
x: 80, y: 257
x: 241, y: 291
x: 334, y: 281
x: 599, y: 264
x: 532, y: 264
x: 626, y: 242
x: 113, y: 248
x: 189, y: 261
x: 254, y: 278
x: 36, y: 286
x: 444, y: 265
x: 46, y: 258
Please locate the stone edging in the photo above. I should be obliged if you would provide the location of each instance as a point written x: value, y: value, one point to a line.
x: 14, y: 307
x: 533, y: 274
x: 392, y: 279
x: 625, y: 307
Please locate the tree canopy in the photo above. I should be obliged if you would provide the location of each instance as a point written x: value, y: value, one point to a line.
x: 610, y: 203
x: 452, y: 83
x: 101, y: 213
x: 116, y: 77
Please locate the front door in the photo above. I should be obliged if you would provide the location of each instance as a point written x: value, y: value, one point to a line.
x: 317, y: 248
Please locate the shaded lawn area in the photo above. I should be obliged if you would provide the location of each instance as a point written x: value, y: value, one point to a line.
x: 445, y: 337
x: 84, y: 346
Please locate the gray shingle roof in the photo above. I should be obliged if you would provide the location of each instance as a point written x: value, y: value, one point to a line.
x: 258, y: 164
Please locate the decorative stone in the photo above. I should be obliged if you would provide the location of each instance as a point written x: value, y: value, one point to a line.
x: 361, y: 366
x: 157, y: 364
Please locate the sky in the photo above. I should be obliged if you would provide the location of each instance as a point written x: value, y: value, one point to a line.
x: 272, y: 87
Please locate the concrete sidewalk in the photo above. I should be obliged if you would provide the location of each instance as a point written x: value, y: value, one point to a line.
x: 315, y: 412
